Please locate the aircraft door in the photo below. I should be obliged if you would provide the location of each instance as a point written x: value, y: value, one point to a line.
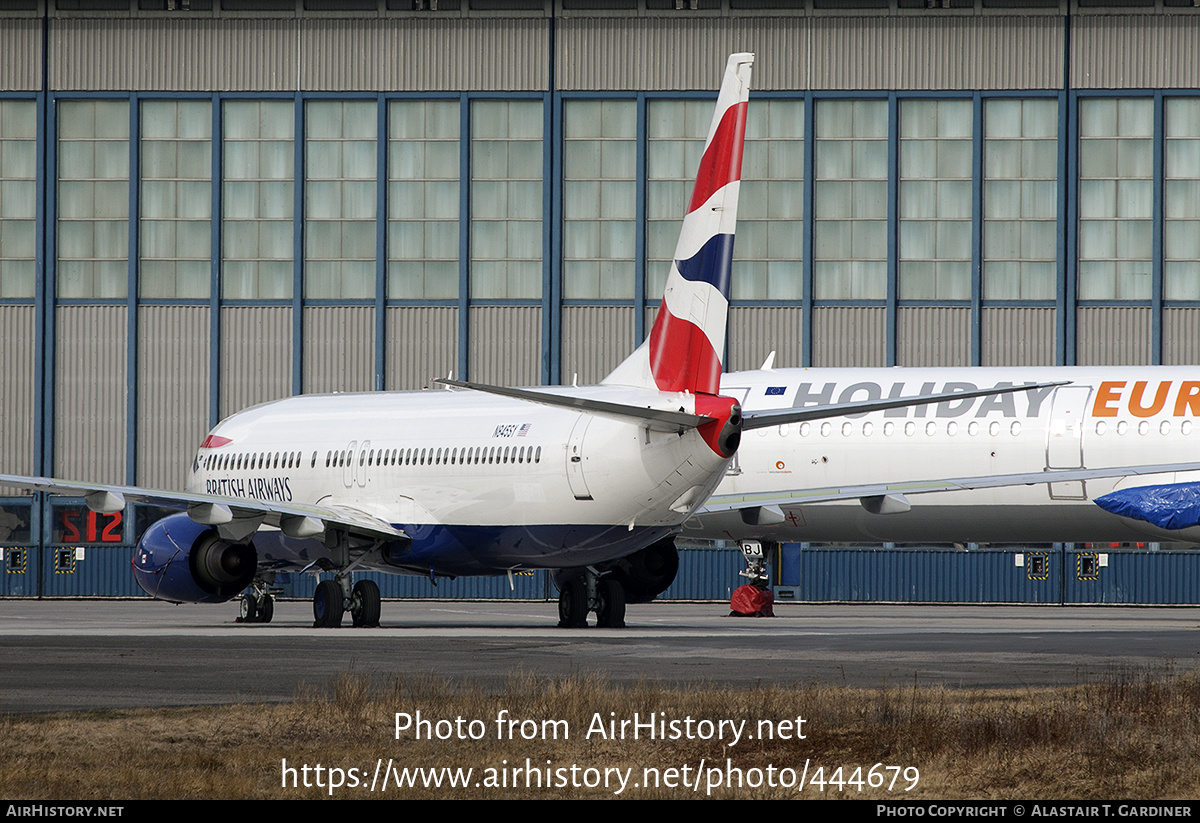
x: 575, y: 459
x: 1064, y: 439
x: 348, y: 466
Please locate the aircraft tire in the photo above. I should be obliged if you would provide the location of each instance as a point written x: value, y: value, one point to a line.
x: 611, y: 612
x: 249, y: 611
x: 267, y: 610
x: 327, y: 605
x: 572, y: 605
x: 364, y: 604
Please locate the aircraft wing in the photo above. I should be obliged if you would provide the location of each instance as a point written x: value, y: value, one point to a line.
x: 877, y: 493
x: 294, y: 519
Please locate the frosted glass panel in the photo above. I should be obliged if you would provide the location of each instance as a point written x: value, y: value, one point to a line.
x: 93, y: 198
x: 1116, y: 198
x: 506, y: 199
x: 1020, y: 199
x: 340, y: 198
x: 850, y: 227
x: 599, y: 198
x: 423, y: 199
x: 258, y: 157
x: 18, y: 197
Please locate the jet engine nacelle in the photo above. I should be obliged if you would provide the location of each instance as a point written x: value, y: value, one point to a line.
x: 648, y: 572
x: 183, y: 561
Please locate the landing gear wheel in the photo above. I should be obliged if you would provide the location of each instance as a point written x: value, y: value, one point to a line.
x: 572, y: 605
x: 249, y: 609
x: 610, y: 612
x: 327, y: 605
x: 266, y: 609
x: 364, y: 604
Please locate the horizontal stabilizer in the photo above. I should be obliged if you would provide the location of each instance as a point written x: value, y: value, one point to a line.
x: 659, y: 419
x: 734, y: 502
x: 779, y: 417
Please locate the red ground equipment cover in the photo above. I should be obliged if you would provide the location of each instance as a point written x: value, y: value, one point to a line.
x: 751, y: 601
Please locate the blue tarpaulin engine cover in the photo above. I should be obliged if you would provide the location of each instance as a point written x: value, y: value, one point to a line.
x: 1176, y: 506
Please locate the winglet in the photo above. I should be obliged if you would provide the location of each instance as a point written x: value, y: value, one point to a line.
x: 687, y: 341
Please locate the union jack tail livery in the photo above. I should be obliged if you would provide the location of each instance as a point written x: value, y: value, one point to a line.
x: 687, y: 342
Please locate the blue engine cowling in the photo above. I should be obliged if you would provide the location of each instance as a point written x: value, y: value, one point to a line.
x: 183, y: 561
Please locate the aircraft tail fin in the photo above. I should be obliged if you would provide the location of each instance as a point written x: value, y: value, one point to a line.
x: 687, y: 342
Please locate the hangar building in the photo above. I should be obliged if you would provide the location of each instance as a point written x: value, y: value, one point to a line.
x: 206, y: 204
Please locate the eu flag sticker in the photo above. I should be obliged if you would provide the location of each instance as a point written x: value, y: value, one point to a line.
x: 775, y: 390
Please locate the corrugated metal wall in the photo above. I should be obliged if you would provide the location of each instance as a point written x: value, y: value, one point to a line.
x: 661, y: 53
x: 915, y: 576
x: 918, y: 575
x: 825, y: 52
x: 318, y: 54
x: 849, y: 336
x: 595, y: 339
x: 1134, y: 577
x: 17, y: 410
x: 506, y: 345
x: 20, y: 55
x: 1181, y: 337
x: 89, y: 389
x: 755, y: 332
x: 230, y: 54
x: 1017, y: 336
x: 1136, y: 51
x: 493, y: 54
x: 256, y: 356
x: 422, y: 343
x: 933, y: 336
x: 173, y: 391
x: 932, y: 52
x: 339, y: 349
x: 102, y: 571
x: 1113, y: 336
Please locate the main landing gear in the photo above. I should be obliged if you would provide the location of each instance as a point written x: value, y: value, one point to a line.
x: 589, y: 592
x: 335, y: 597
x: 258, y: 604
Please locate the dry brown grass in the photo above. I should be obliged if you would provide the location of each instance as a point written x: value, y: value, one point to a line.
x: 1134, y: 735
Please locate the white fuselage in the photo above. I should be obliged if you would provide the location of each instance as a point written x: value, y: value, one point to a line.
x: 480, y: 483
x: 1105, y: 417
